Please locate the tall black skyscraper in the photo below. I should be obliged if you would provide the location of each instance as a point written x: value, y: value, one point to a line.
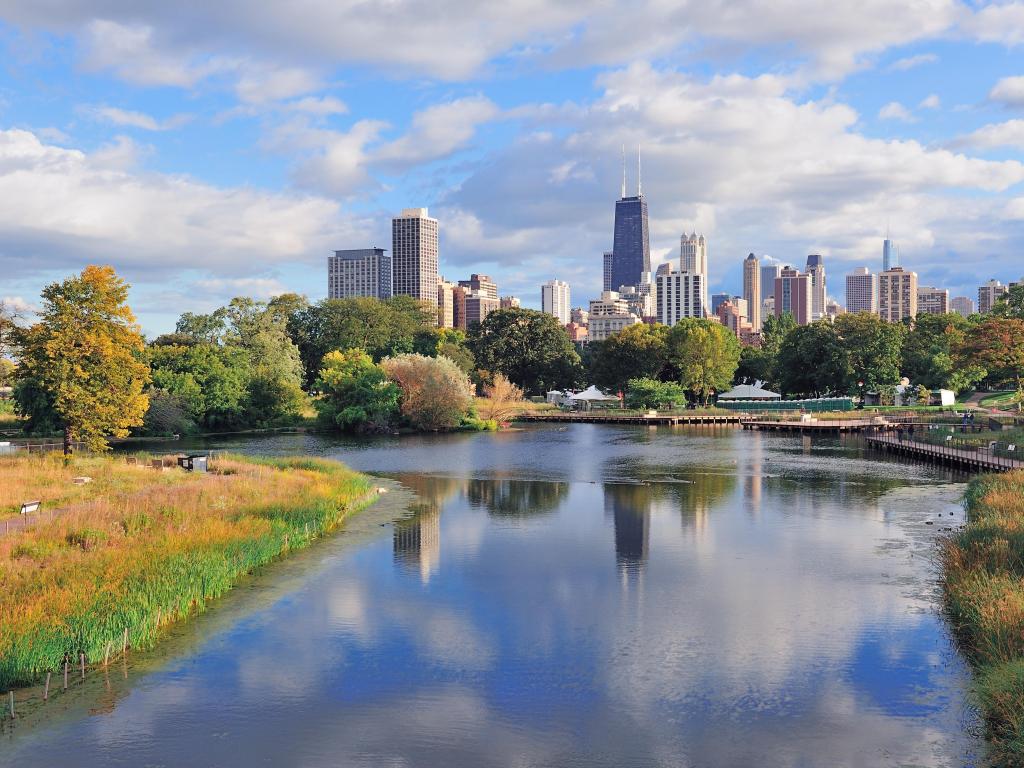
x: 631, y: 248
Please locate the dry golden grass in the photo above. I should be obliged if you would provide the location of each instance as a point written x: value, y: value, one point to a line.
x: 152, y: 550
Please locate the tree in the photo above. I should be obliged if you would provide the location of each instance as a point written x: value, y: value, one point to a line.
x: 755, y: 366
x: 202, y: 328
x: 643, y: 393
x: 997, y: 344
x: 929, y: 349
x: 85, y: 359
x: 811, y: 361
x: 451, y: 343
x: 637, y: 351
x: 528, y: 347
x: 501, y: 399
x: 436, y: 395
x: 872, y: 347
x: 706, y: 353
x: 7, y: 369
x: 356, y: 394
x: 773, y: 330
x: 209, y: 381
x: 1011, y: 303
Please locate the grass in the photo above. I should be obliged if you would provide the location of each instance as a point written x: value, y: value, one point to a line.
x: 1003, y: 400
x: 984, y: 589
x: 144, y: 554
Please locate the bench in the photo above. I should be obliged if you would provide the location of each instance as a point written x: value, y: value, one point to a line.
x: 30, y: 507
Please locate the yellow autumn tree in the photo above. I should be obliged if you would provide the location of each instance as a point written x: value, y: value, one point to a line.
x: 83, y: 360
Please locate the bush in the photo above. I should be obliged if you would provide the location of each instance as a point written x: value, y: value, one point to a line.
x: 650, y: 393
x: 356, y: 395
x: 436, y: 394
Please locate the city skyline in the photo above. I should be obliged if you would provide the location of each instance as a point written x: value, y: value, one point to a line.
x: 230, y: 163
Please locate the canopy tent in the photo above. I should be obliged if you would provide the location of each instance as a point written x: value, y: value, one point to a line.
x: 749, y: 392
x: 591, y: 397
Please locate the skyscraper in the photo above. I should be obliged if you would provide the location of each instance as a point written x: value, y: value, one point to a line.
x: 554, y: 300
x: 816, y: 272
x: 932, y: 301
x: 718, y: 299
x: 890, y: 254
x: 359, y: 272
x: 482, y: 283
x: 631, y: 248
x: 445, y: 304
x: 897, y: 294
x: 679, y: 295
x: 768, y: 274
x: 609, y: 261
x: 793, y: 295
x: 752, y: 290
x: 693, y: 254
x: 414, y: 255
x: 862, y: 291
x: 962, y: 305
x: 988, y: 295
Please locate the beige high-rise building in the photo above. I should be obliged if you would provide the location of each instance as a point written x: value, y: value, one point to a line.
x: 693, y: 254
x: 482, y: 283
x: 554, y: 300
x: 816, y: 274
x: 932, y: 301
x: 510, y: 302
x: 962, y: 305
x: 752, y: 290
x: 988, y: 295
x: 445, y: 304
x: 609, y: 315
x: 897, y: 295
x: 414, y: 255
x: 862, y: 291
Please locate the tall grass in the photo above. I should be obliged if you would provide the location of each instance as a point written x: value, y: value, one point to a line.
x: 984, y: 589
x: 139, y: 561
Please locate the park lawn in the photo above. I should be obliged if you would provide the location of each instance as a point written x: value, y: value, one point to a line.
x: 999, y: 400
x: 149, y: 553
x: 983, y: 568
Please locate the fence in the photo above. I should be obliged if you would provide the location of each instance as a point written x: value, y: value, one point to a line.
x: 947, y: 446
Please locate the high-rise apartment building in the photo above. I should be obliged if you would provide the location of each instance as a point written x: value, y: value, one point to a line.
x: 481, y: 283
x: 988, y: 295
x: 554, y: 300
x: 793, y: 295
x: 962, y: 305
x: 890, y: 255
x: 768, y: 305
x: 478, y: 304
x: 932, y: 301
x: 609, y: 263
x: 414, y: 255
x: 768, y: 274
x: 693, y: 254
x: 445, y: 303
x: 717, y: 299
x: 679, y: 295
x: 359, y: 272
x: 897, y: 295
x: 862, y: 291
x: 752, y: 290
x: 732, y: 316
x: 833, y: 310
x: 816, y: 272
x: 459, y: 307
x: 609, y: 315
x: 580, y: 316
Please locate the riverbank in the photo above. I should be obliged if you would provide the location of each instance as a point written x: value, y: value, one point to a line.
x: 984, y: 587
x: 149, y: 548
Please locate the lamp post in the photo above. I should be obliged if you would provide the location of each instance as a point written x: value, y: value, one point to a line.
x: 860, y: 389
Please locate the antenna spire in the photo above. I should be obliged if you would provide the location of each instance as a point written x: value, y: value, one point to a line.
x: 623, y: 195
x: 639, y: 184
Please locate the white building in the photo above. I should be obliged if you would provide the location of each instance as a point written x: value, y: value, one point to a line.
x: 862, y: 291
x: 414, y: 255
x: 679, y: 295
x: 445, y: 304
x: 962, y: 305
x: 693, y: 254
x: 752, y: 290
x: 816, y: 272
x: 359, y: 272
x: 609, y: 315
x: 988, y: 295
x: 554, y: 300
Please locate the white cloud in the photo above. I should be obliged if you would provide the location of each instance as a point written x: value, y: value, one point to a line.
x: 321, y: 106
x: 1001, y: 22
x: 263, y: 84
x: 133, y: 119
x: 64, y: 208
x: 909, y: 62
x: 1009, y: 92
x: 437, y: 131
x: 930, y: 102
x: 895, y: 111
x: 1006, y: 134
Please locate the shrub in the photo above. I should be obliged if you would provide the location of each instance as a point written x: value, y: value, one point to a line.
x: 651, y: 393
x: 356, y: 395
x: 436, y: 394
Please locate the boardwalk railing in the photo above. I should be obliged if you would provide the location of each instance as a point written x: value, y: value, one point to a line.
x: 994, y: 456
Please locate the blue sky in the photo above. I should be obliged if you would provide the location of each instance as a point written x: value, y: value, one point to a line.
x: 209, y: 150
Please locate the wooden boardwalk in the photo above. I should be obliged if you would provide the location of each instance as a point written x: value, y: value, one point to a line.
x: 597, y: 417
x: 979, y: 460
x: 824, y: 426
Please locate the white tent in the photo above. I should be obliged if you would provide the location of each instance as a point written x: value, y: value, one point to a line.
x: 749, y: 392
x: 590, y: 397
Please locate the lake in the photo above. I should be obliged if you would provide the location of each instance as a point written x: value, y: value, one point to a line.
x: 583, y: 595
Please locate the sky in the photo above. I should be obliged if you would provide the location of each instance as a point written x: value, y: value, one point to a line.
x: 213, y: 149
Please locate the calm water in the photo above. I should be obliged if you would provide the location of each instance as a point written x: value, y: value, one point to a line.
x: 581, y: 596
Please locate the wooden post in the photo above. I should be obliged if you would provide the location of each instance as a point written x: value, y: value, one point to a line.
x: 46, y: 690
x: 65, y: 674
x: 12, y: 704
x: 124, y: 645
x: 106, y: 656
x: 82, y: 657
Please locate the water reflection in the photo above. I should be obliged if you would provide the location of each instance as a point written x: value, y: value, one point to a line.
x: 779, y: 609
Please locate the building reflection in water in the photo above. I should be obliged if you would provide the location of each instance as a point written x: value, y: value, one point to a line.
x: 416, y: 542
x: 629, y: 506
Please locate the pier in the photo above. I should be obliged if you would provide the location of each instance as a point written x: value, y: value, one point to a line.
x: 660, y: 419
x: 979, y: 459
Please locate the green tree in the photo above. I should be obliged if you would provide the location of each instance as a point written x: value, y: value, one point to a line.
x: 773, y: 330
x: 1011, y: 303
x: 642, y: 393
x: 872, y: 348
x: 706, y: 354
x: 637, y: 351
x: 436, y: 395
x: 811, y: 361
x: 7, y: 369
x: 929, y: 350
x: 355, y: 394
x: 84, y: 359
x: 451, y: 343
x: 210, y: 382
x: 201, y: 328
x: 755, y: 365
x: 530, y: 348
x: 997, y: 344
